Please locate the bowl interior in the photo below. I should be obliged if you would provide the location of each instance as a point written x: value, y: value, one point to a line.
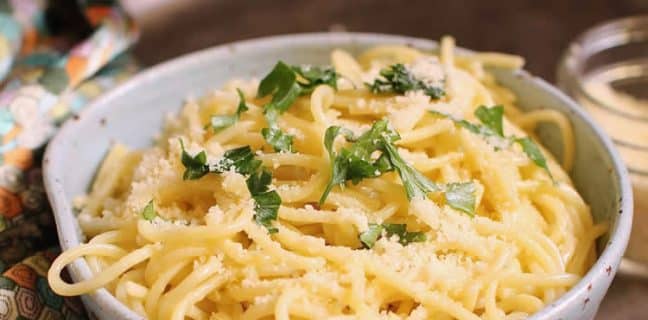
x: 134, y: 113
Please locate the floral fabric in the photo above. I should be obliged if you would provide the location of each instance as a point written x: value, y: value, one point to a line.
x: 55, y: 57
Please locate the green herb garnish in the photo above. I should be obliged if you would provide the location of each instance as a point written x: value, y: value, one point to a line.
x: 476, y: 129
x: 149, y: 213
x: 533, y: 152
x: 221, y: 122
x: 360, y: 161
x: 356, y: 163
x: 195, y: 166
x: 338, y: 164
x: 266, y: 203
x: 492, y: 119
x: 397, y: 79
x: 416, y: 184
x: 282, y: 84
x: 492, y: 125
x: 312, y: 77
x: 461, y: 196
x: 285, y: 83
x: 404, y: 237
x: 369, y: 237
x: 458, y: 195
x: 243, y: 161
x: 279, y: 140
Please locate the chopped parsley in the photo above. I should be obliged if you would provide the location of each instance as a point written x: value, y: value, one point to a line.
x: 404, y: 236
x: 374, y: 232
x: 369, y: 237
x: 314, y: 76
x: 492, y: 126
x: 492, y: 119
x: 461, y: 196
x: 285, y: 83
x: 457, y: 195
x: 282, y: 84
x: 361, y: 160
x: 338, y: 164
x: 195, y: 166
x: 356, y: 163
x: 533, y: 152
x: 397, y: 79
x: 149, y: 213
x: 266, y: 203
x: 279, y: 140
x: 416, y: 184
x: 221, y: 122
x: 243, y: 161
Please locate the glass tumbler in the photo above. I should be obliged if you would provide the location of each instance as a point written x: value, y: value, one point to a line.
x: 606, y: 70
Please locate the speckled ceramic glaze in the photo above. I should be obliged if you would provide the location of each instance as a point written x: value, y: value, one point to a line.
x: 133, y: 114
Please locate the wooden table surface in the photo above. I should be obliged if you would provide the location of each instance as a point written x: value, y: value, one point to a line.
x: 537, y: 30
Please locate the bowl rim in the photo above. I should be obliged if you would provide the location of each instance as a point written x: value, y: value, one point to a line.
x: 605, y: 266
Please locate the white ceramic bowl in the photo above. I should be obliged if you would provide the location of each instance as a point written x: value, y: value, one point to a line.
x: 133, y: 113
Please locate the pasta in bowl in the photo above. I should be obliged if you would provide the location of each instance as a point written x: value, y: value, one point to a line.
x: 394, y: 184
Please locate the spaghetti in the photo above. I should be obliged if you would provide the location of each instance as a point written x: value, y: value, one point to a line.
x: 494, y: 235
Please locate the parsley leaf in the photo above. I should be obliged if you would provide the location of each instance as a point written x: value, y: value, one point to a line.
x: 374, y: 232
x: 369, y: 237
x: 279, y: 140
x: 533, y: 152
x: 266, y: 206
x: 416, y: 185
x: 149, y: 213
x: 259, y: 182
x: 492, y: 118
x: 461, y: 196
x: 338, y: 164
x: 491, y: 121
x: 396, y: 78
x: 243, y: 161
x: 492, y: 125
x: 404, y: 237
x: 195, y: 166
x: 331, y: 133
x: 221, y: 122
x: 359, y: 157
x: 315, y: 76
x: 266, y: 203
x: 359, y: 161
x: 285, y: 83
x: 470, y: 126
x: 281, y: 82
x: 356, y: 163
x: 242, y: 106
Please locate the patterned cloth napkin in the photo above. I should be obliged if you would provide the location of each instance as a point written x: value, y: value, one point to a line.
x: 55, y: 56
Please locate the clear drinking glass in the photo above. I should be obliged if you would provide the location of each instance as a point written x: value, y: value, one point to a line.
x: 606, y: 70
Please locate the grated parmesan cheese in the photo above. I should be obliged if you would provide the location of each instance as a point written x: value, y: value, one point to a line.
x: 429, y: 70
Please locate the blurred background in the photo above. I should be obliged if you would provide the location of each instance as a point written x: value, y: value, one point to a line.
x: 537, y: 30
